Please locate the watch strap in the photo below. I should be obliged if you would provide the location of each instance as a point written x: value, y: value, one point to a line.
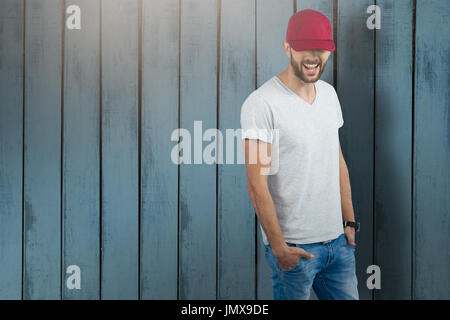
x: 354, y: 225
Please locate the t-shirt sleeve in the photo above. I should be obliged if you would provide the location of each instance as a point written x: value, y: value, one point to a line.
x: 256, y: 119
x: 340, y: 118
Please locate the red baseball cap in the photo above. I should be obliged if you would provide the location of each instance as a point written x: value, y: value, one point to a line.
x: 309, y: 29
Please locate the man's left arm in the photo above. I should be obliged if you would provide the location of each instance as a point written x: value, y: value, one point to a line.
x: 346, y: 198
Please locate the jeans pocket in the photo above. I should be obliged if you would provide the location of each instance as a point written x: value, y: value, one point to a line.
x: 273, y: 262
x: 294, y: 268
x: 297, y: 265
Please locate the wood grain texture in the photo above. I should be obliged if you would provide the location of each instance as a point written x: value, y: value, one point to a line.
x: 81, y: 156
x: 42, y: 158
x: 159, y: 200
x: 326, y: 8
x: 236, y: 224
x: 11, y: 115
x: 120, y: 170
x: 393, y: 128
x: 198, y: 81
x: 272, y: 20
x: 355, y: 86
x: 394, y: 147
x: 432, y: 152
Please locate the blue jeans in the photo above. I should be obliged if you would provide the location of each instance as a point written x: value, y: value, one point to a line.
x: 331, y: 273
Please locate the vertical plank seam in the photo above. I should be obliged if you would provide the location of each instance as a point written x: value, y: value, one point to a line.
x: 179, y: 150
x: 23, y: 144
x: 219, y: 6
x: 254, y: 216
x: 100, y: 149
x: 61, y: 186
x: 139, y: 141
x: 414, y: 21
x: 374, y: 149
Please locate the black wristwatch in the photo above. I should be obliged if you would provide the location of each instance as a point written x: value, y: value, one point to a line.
x: 353, y: 224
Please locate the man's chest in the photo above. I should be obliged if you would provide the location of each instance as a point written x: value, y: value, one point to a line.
x: 300, y: 127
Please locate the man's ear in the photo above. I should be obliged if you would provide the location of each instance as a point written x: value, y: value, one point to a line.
x: 286, y: 47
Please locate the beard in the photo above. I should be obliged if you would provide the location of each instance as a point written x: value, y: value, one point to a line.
x: 298, y: 70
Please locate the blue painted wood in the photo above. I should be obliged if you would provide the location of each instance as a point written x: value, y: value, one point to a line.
x: 423, y: 261
x: 355, y: 85
x: 272, y: 18
x: 236, y: 224
x: 432, y: 152
x: 11, y: 107
x: 393, y: 137
x: 42, y: 158
x: 198, y: 81
x: 159, y: 215
x: 120, y: 171
x: 325, y: 7
x: 81, y: 156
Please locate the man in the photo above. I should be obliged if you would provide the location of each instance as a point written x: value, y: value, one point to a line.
x: 304, y: 209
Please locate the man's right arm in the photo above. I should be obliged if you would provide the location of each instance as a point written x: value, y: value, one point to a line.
x: 257, y: 175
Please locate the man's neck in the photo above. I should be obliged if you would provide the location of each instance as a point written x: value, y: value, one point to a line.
x: 306, y: 91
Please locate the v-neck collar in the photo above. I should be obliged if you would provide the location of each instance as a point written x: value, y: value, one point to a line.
x: 296, y: 95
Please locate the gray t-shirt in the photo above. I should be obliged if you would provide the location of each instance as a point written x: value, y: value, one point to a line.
x: 305, y: 151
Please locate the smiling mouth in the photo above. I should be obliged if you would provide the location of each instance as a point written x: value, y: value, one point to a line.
x: 311, y: 68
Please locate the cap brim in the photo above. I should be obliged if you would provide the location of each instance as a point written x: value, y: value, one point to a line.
x: 302, y: 45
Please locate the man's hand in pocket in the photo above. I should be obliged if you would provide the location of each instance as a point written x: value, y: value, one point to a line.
x: 288, y: 257
x: 350, y: 235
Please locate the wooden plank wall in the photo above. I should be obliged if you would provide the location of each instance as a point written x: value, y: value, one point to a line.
x: 120, y: 167
x: 355, y: 88
x: 11, y: 152
x: 198, y: 95
x: 236, y: 232
x: 431, y: 242
x: 42, y: 150
x: 88, y: 145
x: 393, y: 136
x: 81, y: 153
x: 159, y: 198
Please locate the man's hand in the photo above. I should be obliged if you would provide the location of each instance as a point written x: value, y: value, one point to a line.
x: 288, y: 257
x: 350, y: 235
